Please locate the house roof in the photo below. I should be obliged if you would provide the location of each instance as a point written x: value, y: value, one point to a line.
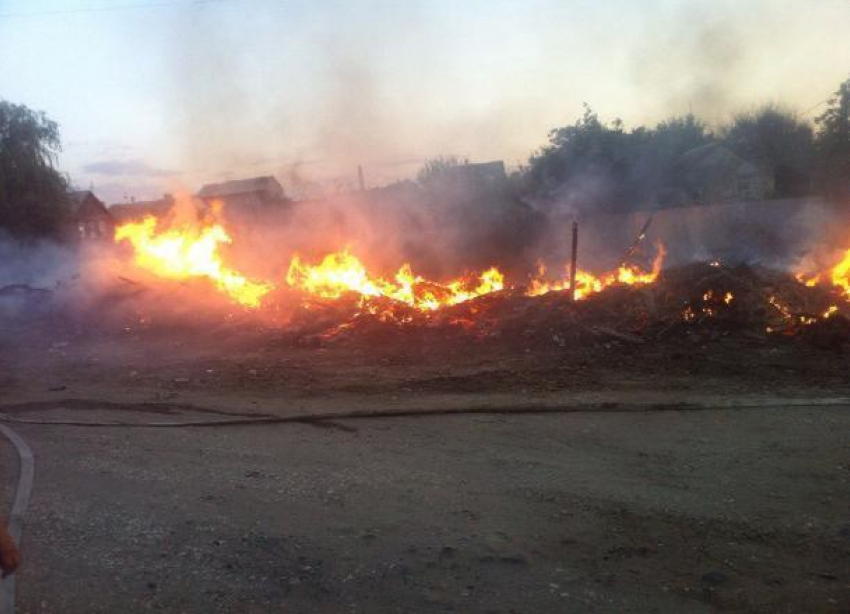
x: 710, y: 153
x: 78, y: 198
x: 492, y: 170
x: 241, y: 186
x: 717, y: 156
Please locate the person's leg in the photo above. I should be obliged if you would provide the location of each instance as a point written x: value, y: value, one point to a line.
x: 10, y: 557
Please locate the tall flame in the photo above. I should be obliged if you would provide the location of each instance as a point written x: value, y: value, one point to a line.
x: 587, y: 283
x: 193, y: 252
x: 341, y: 272
x: 188, y: 253
x: 840, y: 274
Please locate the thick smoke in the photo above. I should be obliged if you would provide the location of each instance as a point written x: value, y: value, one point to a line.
x: 42, y: 265
x: 32, y: 275
x: 439, y: 237
x: 311, y: 99
x: 309, y: 102
x: 696, y: 65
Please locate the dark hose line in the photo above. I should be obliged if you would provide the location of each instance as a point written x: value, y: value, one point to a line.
x: 242, y: 420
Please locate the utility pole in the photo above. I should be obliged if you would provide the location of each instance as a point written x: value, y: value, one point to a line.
x: 573, y: 262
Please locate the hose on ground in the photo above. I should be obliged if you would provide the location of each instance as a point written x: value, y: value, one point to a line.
x: 422, y: 413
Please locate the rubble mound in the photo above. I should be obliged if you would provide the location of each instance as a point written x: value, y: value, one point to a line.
x: 702, y: 299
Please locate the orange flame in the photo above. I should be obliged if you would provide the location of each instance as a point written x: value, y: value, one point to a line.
x: 809, y: 282
x: 587, y: 283
x: 193, y: 252
x: 189, y: 253
x: 341, y: 272
x: 840, y: 274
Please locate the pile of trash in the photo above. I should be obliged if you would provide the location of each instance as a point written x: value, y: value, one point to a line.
x: 704, y: 299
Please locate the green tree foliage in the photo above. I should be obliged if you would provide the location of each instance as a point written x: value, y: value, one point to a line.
x: 657, y: 174
x: 32, y: 193
x: 833, y: 145
x: 599, y: 165
x: 437, y: 171
x: 779, y: 142
x: 588, y: 158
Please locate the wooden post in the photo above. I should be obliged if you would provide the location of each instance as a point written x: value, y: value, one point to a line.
x: 573, y: 262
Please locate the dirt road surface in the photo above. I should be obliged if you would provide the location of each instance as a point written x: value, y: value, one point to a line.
x: 667, y: 511
x: 705, y: 474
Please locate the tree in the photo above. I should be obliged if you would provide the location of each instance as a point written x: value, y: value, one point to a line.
x: 596, y: 165
x: 586, y: 164
x: 833, y: 145
x: 656, y: 175
x: 436, y: 171
x: 33, y: 200
x: 779, y: 142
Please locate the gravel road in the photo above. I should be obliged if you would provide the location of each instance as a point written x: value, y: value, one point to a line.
x: 672, y: 511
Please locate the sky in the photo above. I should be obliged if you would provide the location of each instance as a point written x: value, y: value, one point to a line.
x: 157, y: 96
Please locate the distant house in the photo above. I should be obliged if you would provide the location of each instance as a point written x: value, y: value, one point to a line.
x: 249, y: 195
x: 137, y: 210
x: 713, y: 173
x: 90, y: 217
x: 481, y: 175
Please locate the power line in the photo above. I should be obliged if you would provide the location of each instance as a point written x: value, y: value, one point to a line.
x: 111, y: 9
x: 815, y: 106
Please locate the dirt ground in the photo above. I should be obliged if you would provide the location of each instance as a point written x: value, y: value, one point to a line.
x: 704, y: 474
x: 237, y: 369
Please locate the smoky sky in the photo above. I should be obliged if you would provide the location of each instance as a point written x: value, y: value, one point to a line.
x: 129, y: 167
x: 230, y: 89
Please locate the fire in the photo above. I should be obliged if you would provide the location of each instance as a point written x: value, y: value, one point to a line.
x: 189, y: 253
x: 840, y: 274
x: 712, y: 304
x: 340, y: 273
x: 192, y: 251
x: 587, y: 283
x: 809, y: 282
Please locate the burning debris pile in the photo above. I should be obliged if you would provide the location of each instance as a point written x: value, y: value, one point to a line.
x: 337, y: 299
x: 191, y: 253
x: 172, y: 276
x: 703, y: 301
